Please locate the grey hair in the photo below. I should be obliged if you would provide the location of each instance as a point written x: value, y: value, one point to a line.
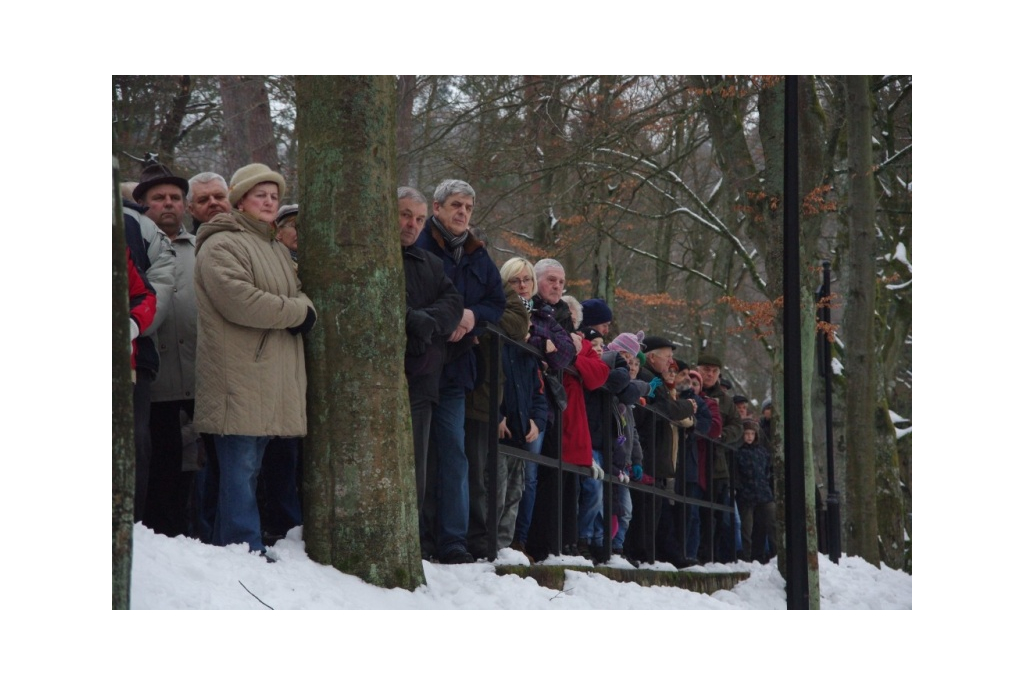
x: 575, y: 308
x: 546, y: 265
x: 409, y: 193
x: 452, y: 186
x: 203, y: 177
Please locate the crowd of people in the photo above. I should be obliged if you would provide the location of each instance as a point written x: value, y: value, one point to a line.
x: 218, y: 317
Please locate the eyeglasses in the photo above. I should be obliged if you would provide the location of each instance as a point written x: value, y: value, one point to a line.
x: 520, y: 281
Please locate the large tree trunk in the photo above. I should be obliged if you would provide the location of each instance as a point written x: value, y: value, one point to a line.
x: 123, y: 459
x: 359, y: 483
x: 861, y: 400
x: 248, y: 130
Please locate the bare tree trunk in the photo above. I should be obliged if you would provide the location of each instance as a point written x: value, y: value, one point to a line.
x: 889, y: 496
x: 406, y: 99
x: 359, y: 484
x: 861, y: 400
x: 171, y: 132
x: 248, y: 130
x: 123, y: 460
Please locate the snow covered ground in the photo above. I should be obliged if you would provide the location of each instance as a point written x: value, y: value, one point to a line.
x: 181, y: 573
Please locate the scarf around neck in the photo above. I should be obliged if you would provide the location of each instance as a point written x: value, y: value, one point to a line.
x: 452, y: 242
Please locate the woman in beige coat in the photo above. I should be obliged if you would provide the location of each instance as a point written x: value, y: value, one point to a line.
x: 250, y: 369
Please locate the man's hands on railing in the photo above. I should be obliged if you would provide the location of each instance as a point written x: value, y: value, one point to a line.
x: 596, y: 471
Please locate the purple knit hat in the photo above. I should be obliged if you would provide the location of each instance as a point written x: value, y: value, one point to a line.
x: 628, y: 342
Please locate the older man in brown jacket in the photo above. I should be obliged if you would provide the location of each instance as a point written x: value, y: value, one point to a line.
x: 250, y: 368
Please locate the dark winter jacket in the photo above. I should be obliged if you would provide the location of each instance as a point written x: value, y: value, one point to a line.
x: 543, y: 327
x: 524, y: 396
x: 478, y: 281
x: 617, y: 389
x: 433, y: 311
x: 688, y: 462
x: 753, y: 475
x: 560, y: 310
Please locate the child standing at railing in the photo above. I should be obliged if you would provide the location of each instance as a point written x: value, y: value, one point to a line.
x: 754, y: 495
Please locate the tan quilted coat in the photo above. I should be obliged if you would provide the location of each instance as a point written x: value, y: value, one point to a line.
x: 250, y: 371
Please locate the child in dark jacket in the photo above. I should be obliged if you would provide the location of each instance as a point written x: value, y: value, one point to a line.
x: 754, y: 495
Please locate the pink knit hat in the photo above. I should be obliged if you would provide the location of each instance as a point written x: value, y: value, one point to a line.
x: 628, y: 342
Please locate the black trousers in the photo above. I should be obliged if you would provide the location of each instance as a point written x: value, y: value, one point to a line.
x: 169, y: 487
x: 143, y: 446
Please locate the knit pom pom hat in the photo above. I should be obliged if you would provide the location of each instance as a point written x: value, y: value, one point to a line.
x: 628, y: 342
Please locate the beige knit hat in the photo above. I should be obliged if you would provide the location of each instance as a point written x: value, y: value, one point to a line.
x: 249, y: 176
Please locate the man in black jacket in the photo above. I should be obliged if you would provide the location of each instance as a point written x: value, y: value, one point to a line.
x: 433, y: 311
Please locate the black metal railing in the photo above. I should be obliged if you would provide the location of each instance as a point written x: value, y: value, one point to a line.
x: 493, y: 342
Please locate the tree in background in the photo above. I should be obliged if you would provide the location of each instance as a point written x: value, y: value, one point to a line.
x: 247, y: 129
x: 360, y: 512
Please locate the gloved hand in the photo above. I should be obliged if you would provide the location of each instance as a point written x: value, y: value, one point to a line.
x: 307, y: 325
x: 414, y: 346
x: 638, y: 472
x: 596, y: 471
x: 135, y: 329
x: 419, y: 324
x: 654, y: 384
x: 687, y: 422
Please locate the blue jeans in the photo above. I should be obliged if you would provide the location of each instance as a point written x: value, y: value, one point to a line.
x: 238, y: 516
x: 448, y: 433
x: 525, y: 516
x: 624, y: 503
x: 591, y: 523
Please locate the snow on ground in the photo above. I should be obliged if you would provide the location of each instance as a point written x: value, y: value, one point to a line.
x: 182, y: 573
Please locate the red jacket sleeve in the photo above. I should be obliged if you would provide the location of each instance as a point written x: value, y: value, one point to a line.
x: 141, y: 297
x: 715, y: 431
x: 593, y: 372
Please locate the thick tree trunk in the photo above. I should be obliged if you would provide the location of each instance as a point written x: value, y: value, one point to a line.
x: 248, y: 130
x: 123, y: 429
x: 359, y: 483
x: 861, y: 400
